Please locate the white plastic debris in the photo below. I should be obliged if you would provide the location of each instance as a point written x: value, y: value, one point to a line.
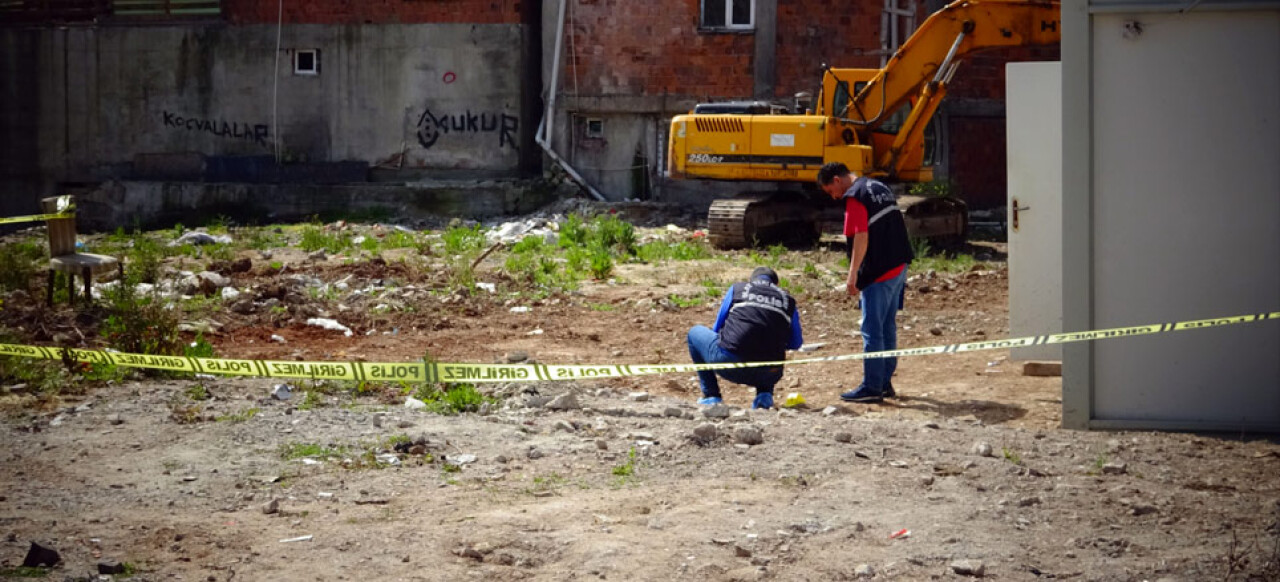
x: 305, y: 538
x: 521, y: 309
x: 277, y: 339
x: 812, y: 347
x: 490, y: 287
x: 461, y: 459
x: 413, y: 403
x: 330, y: 325
x: 230, y: 293
x: 388, y: 458
x: 358, y: 240
x: 281, y: 392
x: 196, y: 237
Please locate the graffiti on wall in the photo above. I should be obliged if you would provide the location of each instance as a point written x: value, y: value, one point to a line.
x: 431, y: 127
x: 258, y: 133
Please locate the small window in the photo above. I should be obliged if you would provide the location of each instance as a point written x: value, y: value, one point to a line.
x: 730, y: 14
x: 595, y: 127
x: 306, y: 62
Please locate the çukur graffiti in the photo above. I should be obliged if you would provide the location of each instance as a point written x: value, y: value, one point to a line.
x: 431, y: 127
x: 257, y: 133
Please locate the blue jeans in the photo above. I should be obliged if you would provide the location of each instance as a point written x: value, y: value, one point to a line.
x: 880, y: 304
x: 704, y: 348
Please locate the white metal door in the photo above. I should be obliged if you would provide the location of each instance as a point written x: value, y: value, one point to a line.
x: 1033, y: 115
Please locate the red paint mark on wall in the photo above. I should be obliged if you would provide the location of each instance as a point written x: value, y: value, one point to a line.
x: 449, y: 77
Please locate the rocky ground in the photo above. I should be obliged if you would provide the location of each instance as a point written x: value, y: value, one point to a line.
x: 966, y: 475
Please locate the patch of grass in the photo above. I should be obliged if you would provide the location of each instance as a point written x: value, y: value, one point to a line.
x: 532, y: 262
x: 314, y: 238
x: 811, y: 271
x: 600, y: 263
x: 460, y: 239
x: 943, y: 263
x: 626, y: 470
x: 144, y: 260
x: 291, y: 451
x: 452, y: 399
x: 547, y: 483
x: 601, y: 307
x: 198, y: 392
x: 1012, y: 456
x: 263, y: 239
x: 103, y: 372
x: 686, y: 302
x: 183, y: 412
x: 1096, y: 468
x: 936, y: 188
x: 23, y: 572
x: 241, y: 416
x: 18, y: 265
x: 139, y: 324
x: 311, y: 400
x: 678, y: 251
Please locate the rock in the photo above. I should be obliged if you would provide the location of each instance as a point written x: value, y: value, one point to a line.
x: 717, y: 411
x: 932, y: 425
x: 927, y: 480
x: 705, y: 433
x: 517, y: 357
x: 537, y: 401
x: 864, y: 571
x: 748, y: 435
x: 417, y: 450
x: 672, y: 412
x: 277, y: 339
x: 1114, y: 446
x: 566, y: 401
x: 982, y: 450
x: 211, y: 281
x: 935, y: 330
x: 468, y: 552
x: 413, y: 403
x: 241, y: 265
x: 973, y: 568
x: 271, y: 507
x: 832, y: 410
x: 533, y: 453
x: 317, y: 256
x: 230, y: 293
x: 741, y: 551
x: 110, y: 568
x: 844, y: 437
x: 19, y: 389
x: 565, y: 425
x: 38, y: 556
x: 1115, y: 468
x: 115, y: 419
x: 638, y: 396
x: 1028, y: 501
x: 1140, y: 509
x: 602, y: 445
x: 244, y: 306
x: 281, y: 392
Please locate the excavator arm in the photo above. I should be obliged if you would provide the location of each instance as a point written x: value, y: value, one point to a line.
x: 920, y: 70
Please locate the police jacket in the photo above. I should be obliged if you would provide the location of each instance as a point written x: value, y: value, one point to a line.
x: 758, y: 322
x: 887, y: 243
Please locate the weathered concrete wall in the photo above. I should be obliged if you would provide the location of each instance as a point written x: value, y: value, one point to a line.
x: 161, y: 204
x: 87, y: 100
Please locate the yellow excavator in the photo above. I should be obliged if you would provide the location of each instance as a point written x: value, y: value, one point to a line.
x: 872, y: 120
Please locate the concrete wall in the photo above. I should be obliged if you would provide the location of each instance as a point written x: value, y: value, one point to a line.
x: 87, y: 100
x: 1170, y: 213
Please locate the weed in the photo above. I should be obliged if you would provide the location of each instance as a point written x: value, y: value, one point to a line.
x: 455, y: 399
x: 1012, y: 456
x: 450, y: 468
x: 198, y: 393
x: 311, y: 400
x: 314, y: 238
x: 263, y: 239
x: 686, y: 302
x: 811, y: 271
x: 396, y: 439
x: 936, y: 188
x: 627, y: 469
x: 144, y: 260
x: 601, y: 307
x: 460, y: 240
x: 615, y: 234
x: 573, y: 233
x: 103, y: 372
x: 183, y: 413
x: 200, y: 348
x: 139, y: 324
x: 665, y: 251
x: 18, y: 264
x: 601, y: 262
x: 237, y: 417
x: 291, y: 451
x: 276, y: 265
x: 1097, y: 464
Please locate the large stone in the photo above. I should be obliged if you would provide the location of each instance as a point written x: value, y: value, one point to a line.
x: 973, y: 568
x: 638, y: 396
x: 983, y: 450
x: 748, y: 435
x: 717, y: 411
x: 864, y: 571
x: 706, y: 432
x: 566, y: 401
x: 1115, y: 468
x: 211, y: 281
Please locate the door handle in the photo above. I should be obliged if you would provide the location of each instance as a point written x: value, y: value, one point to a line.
x: 1016, y: 210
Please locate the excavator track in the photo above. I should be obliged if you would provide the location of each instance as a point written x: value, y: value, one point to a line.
x: 734, y: 223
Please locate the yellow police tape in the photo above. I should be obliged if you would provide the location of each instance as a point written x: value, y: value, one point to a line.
x: 36, y: 217
x: 471, y: 373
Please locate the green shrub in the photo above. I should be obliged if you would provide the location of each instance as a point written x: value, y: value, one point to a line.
x: 18, y: 264
x: 144, y: 260
x: 460, y: 239
x: 573, y: 233
x: 139, y: 324
x: 314, y: 238
x: 666, y: 251
x: 615, y: 234
x: 601, y: 262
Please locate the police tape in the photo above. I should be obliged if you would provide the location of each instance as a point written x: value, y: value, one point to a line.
x: 36, y: 217
x: 473, y: 373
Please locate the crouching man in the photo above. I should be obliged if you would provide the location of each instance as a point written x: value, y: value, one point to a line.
x: 758, y: 322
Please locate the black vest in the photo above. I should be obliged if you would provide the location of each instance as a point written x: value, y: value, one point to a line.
x: 887, y: 243
x: 758, y: 326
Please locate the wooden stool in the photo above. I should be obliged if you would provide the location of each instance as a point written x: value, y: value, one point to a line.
x: 63, y: 256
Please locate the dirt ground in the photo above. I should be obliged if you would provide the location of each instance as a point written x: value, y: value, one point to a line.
x: 969, y: 461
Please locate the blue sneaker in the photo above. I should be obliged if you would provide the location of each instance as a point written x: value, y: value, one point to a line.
x: 763, y: 400
x: 863, y: 395
x: 710, y: 401
x: 888, y: 390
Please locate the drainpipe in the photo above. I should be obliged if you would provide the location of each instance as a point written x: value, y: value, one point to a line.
x: 546, y: 126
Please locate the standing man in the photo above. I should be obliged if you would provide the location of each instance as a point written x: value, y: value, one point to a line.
x: 758, y: 322
x: 879, y: 254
